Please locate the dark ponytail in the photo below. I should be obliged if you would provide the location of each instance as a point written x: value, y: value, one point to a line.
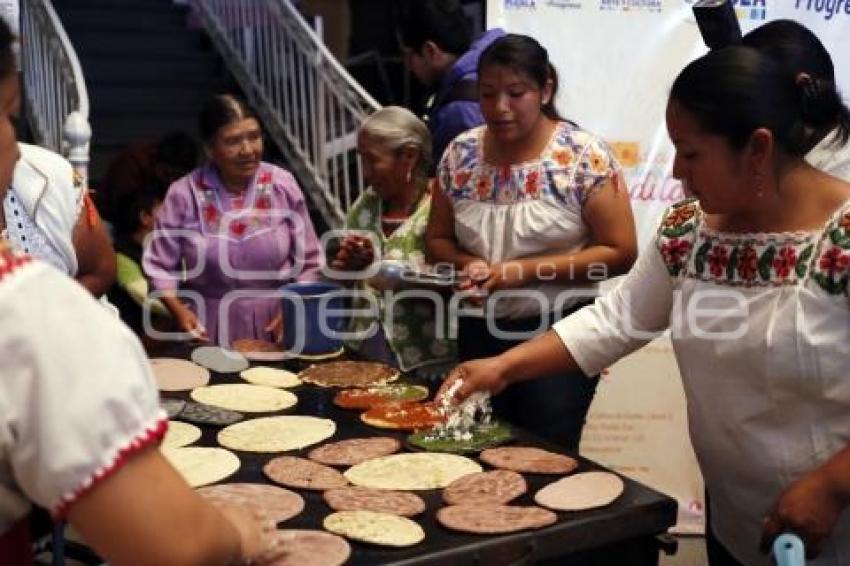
x: 735, y: 90
x: 525, y: 55
x: 802, y: 55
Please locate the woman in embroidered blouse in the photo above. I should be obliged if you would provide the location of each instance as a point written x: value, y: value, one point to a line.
x: 533, y: 209
x: 751, y: 277
x: 395, y: 147
x: 88, y: 452
x: 241, y: 227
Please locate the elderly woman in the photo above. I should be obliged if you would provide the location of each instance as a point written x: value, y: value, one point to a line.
x: 395, y: 147
x: 238, y: 227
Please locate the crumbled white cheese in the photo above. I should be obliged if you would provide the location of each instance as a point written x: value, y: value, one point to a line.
x: 464, y: 418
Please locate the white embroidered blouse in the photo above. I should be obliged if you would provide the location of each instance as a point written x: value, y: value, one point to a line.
x: 77, y: 396
x: 760, y: 326
x: 526, y: 209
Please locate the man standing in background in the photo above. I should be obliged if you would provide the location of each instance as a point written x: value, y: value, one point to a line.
x: 436, y: 42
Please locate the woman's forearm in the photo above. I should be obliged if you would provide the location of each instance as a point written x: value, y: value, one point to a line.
x: 446, y: 250
x: 594, y: 263
x: 542, y: 356
x: 172, y: 303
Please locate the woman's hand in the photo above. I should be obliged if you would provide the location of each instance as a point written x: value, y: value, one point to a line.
x: 255, y: 534
x: 487, y: 374
x: 275, y: 328
x: 188, y: 322
x: 505, y: 275
x: 474, y: 274
x: 356, y: 253
x: 809, y: 508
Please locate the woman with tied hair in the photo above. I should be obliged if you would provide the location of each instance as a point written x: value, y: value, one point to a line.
x: 751, y: 276
x: 534, y: 209
x: 80, y: 421
x: 241, y: 228
x: 395, y: 147
x: 827, y: 118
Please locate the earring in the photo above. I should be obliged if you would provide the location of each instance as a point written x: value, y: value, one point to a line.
x: 409, y: 176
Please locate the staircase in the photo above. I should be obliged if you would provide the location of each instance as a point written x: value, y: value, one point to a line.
x: 147, y: 72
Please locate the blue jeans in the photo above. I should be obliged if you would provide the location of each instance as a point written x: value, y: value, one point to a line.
x: 553, y: 408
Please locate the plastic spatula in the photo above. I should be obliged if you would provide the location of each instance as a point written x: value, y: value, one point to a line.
x: 788, y: 550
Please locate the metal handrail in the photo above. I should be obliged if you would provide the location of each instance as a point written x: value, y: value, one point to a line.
x: 308, y: 102
x: 57, y: 101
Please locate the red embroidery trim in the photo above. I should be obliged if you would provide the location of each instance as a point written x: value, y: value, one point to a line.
x: 145, y: 439
x: 10, y: 261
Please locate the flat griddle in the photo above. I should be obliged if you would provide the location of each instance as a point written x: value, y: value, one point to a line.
x: 621, y: 533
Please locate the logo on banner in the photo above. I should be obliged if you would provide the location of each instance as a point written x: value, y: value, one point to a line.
x: 751, y: 10
x: 631, y: 5
x: 519, y: 4
x: 564, y: 4
x: 828, y: 8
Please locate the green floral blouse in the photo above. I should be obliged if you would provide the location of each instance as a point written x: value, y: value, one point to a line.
x: 412, y: 335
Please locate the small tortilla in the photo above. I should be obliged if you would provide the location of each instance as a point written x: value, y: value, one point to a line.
x: 270, y: 377
x: 202, y: 466
x: 409, y: 472
x: 309, y: 548
x: 172, y: 407
x: 259, y: 350
x: 494, y: 519
x: 581, y: 491
x: 172, y: 374
x: 276, y: 434
x: 245, y: 398
x: 219, y: 360
x: 375, y: 528
x: 354, y: 450
x: 276, y: 503
x: 180, y: 434
x: 349, y: 374
x: 201, y: 414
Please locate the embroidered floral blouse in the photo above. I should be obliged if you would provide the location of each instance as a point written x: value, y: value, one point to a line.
x: 530, y: 208
x: 235, y: 257
x: 412, y: 336
x: 760, y: 325
x: 77, y: 397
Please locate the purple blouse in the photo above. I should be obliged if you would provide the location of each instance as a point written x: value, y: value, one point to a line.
x: 232, y: 256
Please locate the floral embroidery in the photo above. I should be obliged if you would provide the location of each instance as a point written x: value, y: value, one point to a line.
x: 785, y: 262
x: 675, y: 238
x: 483, y: 186
x: 462, y: 178
x: 831, y: 270
x: 572, y: 166
x: 264, y: 202
x: 725, y: 259
x: 531, y: 183
x: 747, y: 264
x: 237, y: 228
x: 834, y: 261
x: 598, y: 162
x: 718, y: 260
x: 563, y: 157
x: 675, y: 253
x: 240, y: 223
x: 679, y: 216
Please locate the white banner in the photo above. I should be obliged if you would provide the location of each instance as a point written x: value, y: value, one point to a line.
x: 616, y: 61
